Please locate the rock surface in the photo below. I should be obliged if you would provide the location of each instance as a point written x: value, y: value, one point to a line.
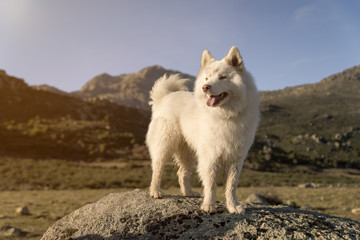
x: 134, y: 215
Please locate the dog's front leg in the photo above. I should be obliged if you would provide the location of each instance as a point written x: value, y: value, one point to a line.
x: 232, y: 175
x: 207, y: 173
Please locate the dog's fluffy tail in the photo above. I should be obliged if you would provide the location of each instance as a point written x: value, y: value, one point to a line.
x: 165, y: 85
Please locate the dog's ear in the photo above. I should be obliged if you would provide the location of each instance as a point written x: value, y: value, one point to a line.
x: 206, y: 58
x: 234, y: 58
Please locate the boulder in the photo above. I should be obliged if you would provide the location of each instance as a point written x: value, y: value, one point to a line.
x: 134, y: 215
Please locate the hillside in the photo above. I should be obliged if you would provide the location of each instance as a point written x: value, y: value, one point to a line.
x: 43, y: 124
x: 313, y: 123
x: 126, y: 89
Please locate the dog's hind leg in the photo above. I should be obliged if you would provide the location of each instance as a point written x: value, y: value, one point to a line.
x: 158, y: 164
x: 161, y: 139
x: 232, y: 175
x: 185, y: 158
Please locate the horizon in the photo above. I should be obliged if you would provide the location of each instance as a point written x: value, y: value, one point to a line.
x: 260, y: 90
x: 65, y: 44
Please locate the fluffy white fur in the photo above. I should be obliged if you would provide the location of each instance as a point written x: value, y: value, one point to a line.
x: 214, y: 125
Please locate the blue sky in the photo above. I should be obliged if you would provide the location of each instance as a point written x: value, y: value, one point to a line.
x: 65, y: 43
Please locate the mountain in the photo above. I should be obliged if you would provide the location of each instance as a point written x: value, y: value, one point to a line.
x: 313, y: 123
x: 125, y: 89
x: 44, y: 124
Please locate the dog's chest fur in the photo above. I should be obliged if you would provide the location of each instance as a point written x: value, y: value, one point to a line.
x: 225, y: 139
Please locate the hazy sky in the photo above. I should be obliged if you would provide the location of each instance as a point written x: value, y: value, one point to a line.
x: 65, y: 43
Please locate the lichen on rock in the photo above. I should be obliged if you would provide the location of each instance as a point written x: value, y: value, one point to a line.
x: 134, y: 215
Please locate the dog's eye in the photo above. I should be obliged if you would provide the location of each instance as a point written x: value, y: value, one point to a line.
x: 222, y: 77
x: 206, y: 79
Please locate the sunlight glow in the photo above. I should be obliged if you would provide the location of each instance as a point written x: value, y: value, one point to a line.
x: 13, y: 13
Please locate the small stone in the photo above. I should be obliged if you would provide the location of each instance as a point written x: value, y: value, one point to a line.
x: 256, y: 198
x: 315, y: 138
x: 306, y: 208
x: 338, y: 137
x: 290, y: 203
x: 267, y: 157
x: 356, y: 211
x: 24, y: 210
x: 307, y: 185
x: 11, y: 231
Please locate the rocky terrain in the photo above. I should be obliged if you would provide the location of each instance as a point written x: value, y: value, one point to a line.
x: 134, y: 215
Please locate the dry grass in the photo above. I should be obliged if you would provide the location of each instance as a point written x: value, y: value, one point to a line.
x: 29, y: 174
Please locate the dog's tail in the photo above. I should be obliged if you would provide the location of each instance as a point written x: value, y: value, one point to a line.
x: 165, y: 85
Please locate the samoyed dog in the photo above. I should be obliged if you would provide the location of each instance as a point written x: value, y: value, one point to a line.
x: 214, y: 126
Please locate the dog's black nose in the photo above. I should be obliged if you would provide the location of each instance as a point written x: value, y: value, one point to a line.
x: 206, y: 87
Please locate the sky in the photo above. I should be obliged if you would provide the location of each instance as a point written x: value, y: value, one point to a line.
x: 65, y: 43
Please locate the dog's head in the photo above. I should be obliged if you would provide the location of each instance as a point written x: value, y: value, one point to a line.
x: 221, y: 83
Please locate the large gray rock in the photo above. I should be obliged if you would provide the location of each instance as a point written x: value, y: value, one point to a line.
x: 134, y: 215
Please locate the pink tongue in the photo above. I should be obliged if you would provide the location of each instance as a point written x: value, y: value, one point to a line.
x: 211, y: 101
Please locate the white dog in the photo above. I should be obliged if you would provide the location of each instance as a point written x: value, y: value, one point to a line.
x: 215, y: 124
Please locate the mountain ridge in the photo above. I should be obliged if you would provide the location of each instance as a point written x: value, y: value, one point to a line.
x: 127, y: 89
x: 313, y: 124
x: 327, y: 86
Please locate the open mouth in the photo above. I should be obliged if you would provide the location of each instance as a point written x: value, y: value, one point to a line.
x: 216, y: 99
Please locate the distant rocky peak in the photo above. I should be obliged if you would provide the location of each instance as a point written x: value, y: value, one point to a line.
x: 148, y: 72
x: 350, y: 74
x: 130, y: 89
x: 8, y: 82
x: 99, y: 82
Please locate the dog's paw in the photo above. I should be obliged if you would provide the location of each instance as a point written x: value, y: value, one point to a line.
x: 236, y: 209
x: 208, y: 208
x: 156, y: 194
x: 192, y: 194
